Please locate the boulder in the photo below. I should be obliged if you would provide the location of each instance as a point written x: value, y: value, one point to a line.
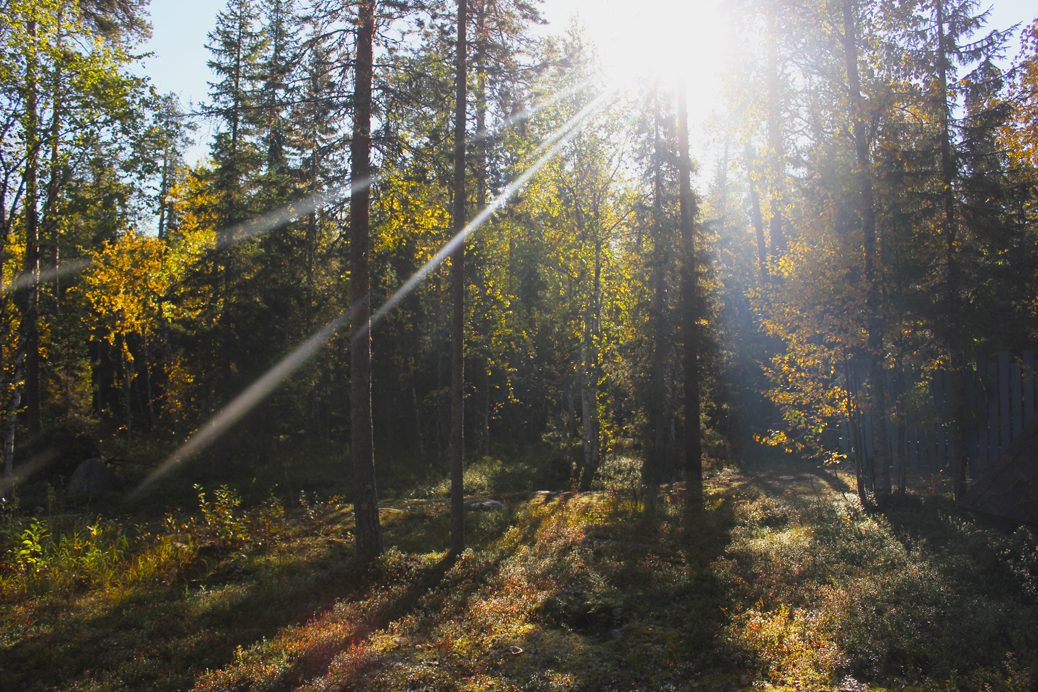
x: 90, y: 478
x: 484, y: 505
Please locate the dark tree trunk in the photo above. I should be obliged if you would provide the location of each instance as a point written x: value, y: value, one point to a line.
x: 877, y: 402
x: 950, y: 229
x: 657, y: 460
x: 458, y: 289
x: 31, y: 266
x: 365, y: 495
x: 690, y: 313
x: 481, y: 195
x: 11, y: 417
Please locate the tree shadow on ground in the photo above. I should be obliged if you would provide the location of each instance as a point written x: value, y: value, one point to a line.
x: 778, y: 475
x: 654, y: 620
x: 162, y: 637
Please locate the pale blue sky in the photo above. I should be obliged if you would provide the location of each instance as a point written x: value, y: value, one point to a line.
x: 180, y: 29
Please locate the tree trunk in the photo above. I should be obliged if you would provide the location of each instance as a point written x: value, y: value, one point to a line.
x: 365, y: 494
x: 877, y: 403
x: 657, y: 460
x: 31, y: 266
x: 776, y: 153
x: 758, y: 221
x: 11, y: 418
x: 689, y: 309
x: 481, y: 195
x: 589, y: 410
x: 458, y: 289
x: 418, y: 425
x: 950, y: 229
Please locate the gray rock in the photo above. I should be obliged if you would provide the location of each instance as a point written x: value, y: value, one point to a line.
x: 485, y: 505
x: 91, y: 477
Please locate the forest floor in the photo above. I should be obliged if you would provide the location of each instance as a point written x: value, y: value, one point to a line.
x: 782, y: 581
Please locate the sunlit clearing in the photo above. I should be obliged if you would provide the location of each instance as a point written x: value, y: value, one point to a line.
x: 259, y: 390
x: 657, y: 40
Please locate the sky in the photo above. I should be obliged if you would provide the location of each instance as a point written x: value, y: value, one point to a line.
x: 618, y: 27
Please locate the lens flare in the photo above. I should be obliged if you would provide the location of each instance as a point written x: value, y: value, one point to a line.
x: 279, y: 217
x: 47, y: 275
x: 259, y: 390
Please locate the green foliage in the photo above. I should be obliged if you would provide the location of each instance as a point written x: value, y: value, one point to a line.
x: 821, y: 589
x: 610, y: 588
x: 221, y: 524
x: 63, y: 555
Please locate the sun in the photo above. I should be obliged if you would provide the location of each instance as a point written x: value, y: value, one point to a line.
x: 661, y: 39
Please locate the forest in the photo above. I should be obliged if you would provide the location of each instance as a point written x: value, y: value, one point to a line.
x: 451, y: 366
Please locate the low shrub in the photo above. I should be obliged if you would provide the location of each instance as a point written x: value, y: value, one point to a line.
x: 822, y: 590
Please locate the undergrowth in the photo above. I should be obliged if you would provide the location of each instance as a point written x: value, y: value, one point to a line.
x: 821, y: 590
x: 614, y: 589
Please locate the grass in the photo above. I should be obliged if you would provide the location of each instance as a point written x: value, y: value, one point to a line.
x: 604, y: 590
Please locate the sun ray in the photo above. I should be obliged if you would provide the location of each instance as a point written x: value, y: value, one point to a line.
x: 277, y: 218
x: 266, y: 384
x: 553, y: 143
x: 47, y: 275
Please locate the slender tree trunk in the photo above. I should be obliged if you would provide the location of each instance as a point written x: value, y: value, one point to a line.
x: 902, y: 439
x: 950, y: 228
x: 458, y: 287
x: 689, y: 308
x: 164, y: 193
x: 147, y: 380
x: 31, y: 265
x: 51, y: 226
x: 127, y: 370
x: 481, y: 194
x: 365, y: 494
x: 877, y: 403
x: 776, y: 153
x: 758, y: 221
x: 657, y: 460
x: 589, y: 409
x: 11, y: 418
x: 853, y: 431
x: 418, y: 424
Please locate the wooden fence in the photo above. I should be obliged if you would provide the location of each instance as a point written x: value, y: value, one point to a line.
x: 1001, y: 396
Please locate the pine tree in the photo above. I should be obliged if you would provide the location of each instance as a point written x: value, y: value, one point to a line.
x: 365, y: 502
x: 948, y: 42
x: 236, y: 44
